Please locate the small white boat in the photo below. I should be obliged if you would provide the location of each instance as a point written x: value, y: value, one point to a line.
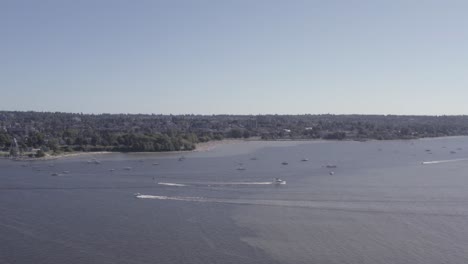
x: 155, y: 164
x: 284, y: 163
x: 330, y: 166
x: 128, y: 168
x: 332, y: 173
x: 55, y: 174
x: 240, y: 168
x: 279, y: 181
x: 304, y: 159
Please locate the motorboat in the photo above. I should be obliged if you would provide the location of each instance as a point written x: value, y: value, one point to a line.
x: 93, y: 161
x: 128, y: 168
x: 284, y: 163
x: 240, y: 168
x: 330, y: 166
x: 304, y: 159
x: 279, y: 181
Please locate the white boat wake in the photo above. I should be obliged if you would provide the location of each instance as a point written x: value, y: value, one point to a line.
x: 173, y: 198
x: 442, y: 161
x: 241, y: 183
x: 172, y: 184
x: 218, y: 183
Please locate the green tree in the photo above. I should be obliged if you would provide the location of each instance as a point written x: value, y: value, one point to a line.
x: 235, y: 133
x: 53, y: 145
x: 40, y: 153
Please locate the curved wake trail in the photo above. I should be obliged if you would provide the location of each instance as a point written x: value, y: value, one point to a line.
x: 410, y: 207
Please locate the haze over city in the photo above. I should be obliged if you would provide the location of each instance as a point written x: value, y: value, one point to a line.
x: 235, y: 57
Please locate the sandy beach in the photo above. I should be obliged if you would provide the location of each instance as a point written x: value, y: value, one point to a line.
x: 210, y: 145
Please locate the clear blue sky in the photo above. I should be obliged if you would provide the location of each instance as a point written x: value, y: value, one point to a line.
x: 235, y: 57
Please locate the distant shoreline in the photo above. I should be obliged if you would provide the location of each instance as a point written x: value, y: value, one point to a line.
x: 64, y: 134
x: 200, y: 147
x: 60, y: 156
x: 211, y: 145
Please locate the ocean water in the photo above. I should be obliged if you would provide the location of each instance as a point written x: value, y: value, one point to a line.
x: 376, y: 202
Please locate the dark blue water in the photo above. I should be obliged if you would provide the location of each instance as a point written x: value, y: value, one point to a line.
x: 380, y: 205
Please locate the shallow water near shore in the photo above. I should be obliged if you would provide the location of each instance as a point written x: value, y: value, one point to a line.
x: 385, y: 202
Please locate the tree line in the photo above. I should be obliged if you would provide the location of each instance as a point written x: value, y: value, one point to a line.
x: 62, y: 132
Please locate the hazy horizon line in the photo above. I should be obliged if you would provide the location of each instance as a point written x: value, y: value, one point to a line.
x: 231, y: 114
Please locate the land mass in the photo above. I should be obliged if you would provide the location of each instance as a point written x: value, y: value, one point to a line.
x: 39, y: 133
